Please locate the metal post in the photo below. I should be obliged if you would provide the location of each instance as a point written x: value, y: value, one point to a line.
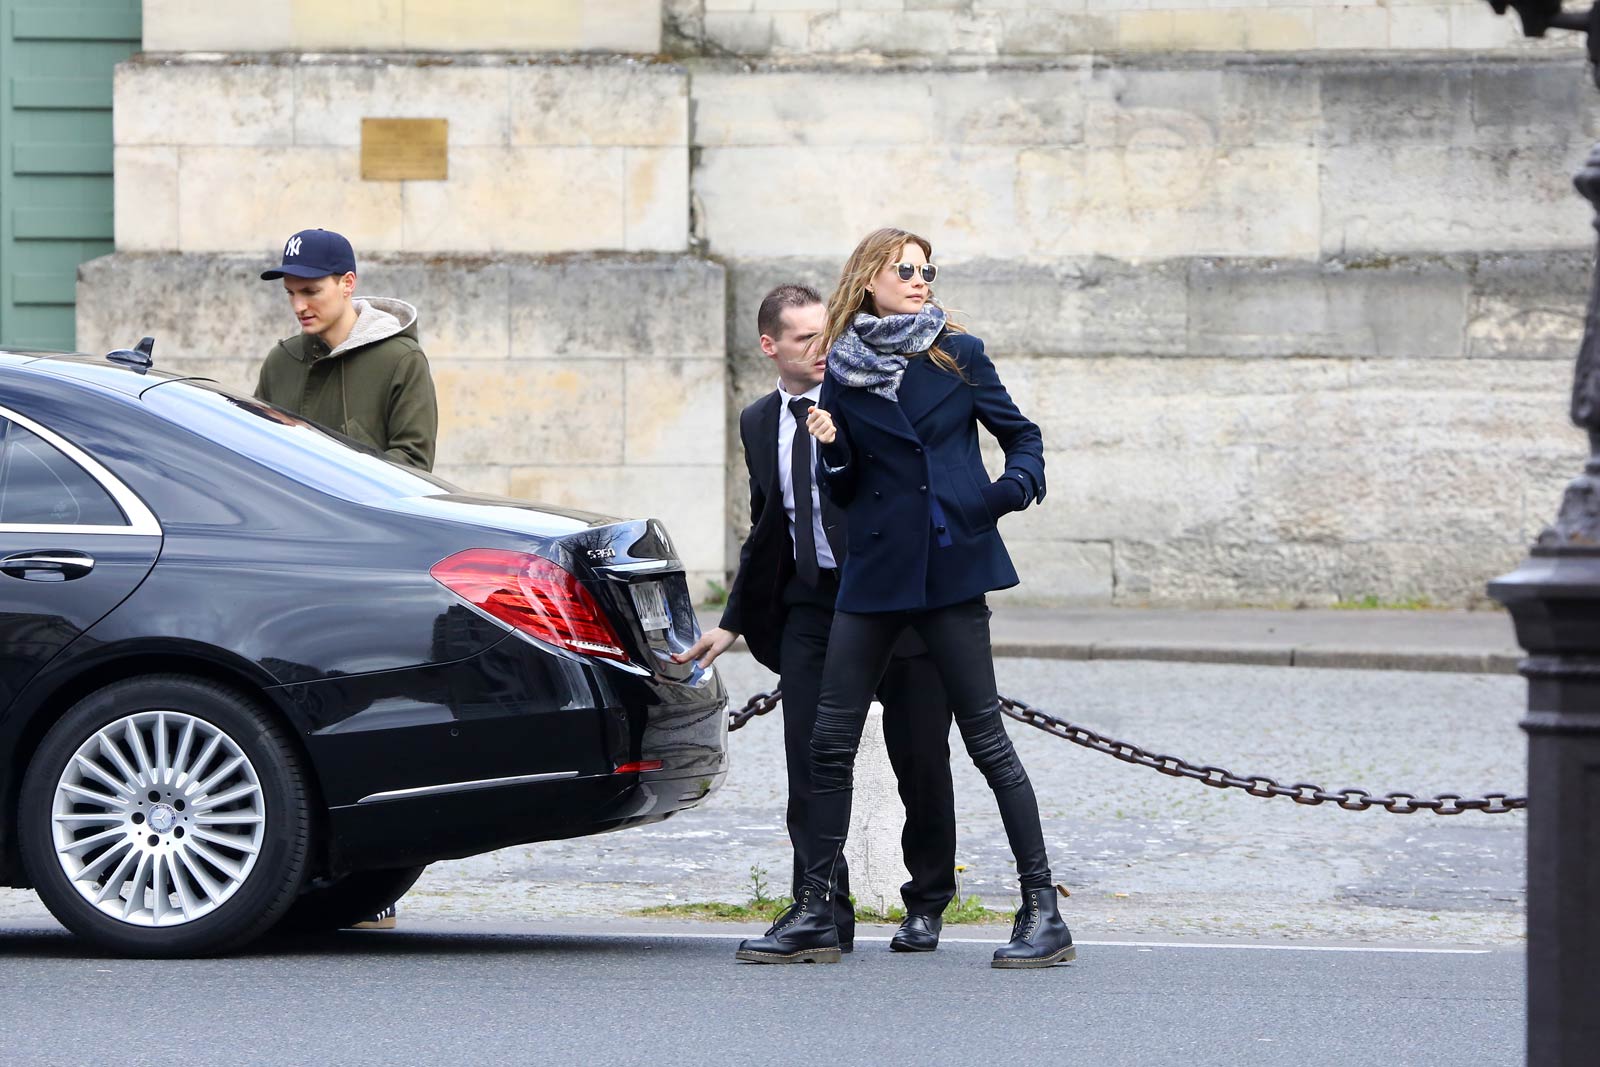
x: 1554, y: 600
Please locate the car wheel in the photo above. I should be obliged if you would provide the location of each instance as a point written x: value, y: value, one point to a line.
x: 349, y: 900
x: 165, y: 816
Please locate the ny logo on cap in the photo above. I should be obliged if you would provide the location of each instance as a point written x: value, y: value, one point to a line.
x: 292, y: 248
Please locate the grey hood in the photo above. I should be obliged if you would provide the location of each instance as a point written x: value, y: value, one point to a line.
x: 379, y: 318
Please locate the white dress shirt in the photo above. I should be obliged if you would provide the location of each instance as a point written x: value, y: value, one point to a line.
x: 788, y: 426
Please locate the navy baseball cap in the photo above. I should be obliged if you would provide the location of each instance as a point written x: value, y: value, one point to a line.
x: 314, y: 254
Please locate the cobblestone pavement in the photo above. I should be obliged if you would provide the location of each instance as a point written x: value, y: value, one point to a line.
x: 1142, y: 853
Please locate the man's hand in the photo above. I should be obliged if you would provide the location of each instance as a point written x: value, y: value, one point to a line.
x: 713, y: 643
x: 820, y: 425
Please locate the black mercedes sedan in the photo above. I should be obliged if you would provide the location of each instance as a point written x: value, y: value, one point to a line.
x: 253, y: 673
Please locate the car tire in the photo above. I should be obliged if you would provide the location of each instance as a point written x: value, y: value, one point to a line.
x: 348, y: 900
x: 166, y: 816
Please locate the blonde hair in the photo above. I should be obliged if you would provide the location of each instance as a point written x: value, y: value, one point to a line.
x: 877, y: 250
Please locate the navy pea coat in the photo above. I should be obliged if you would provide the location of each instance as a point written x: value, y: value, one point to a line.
x: 911, y: 481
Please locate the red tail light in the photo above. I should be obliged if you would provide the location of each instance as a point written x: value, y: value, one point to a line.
x: 536, y: 596
x: 639, y: 765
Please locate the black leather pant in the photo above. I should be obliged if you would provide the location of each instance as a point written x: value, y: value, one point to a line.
x: 858, y: 654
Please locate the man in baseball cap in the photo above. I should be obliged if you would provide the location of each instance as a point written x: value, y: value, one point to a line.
x: 356, y: 365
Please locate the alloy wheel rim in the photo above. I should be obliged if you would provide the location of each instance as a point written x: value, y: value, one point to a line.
x: 158, y: 818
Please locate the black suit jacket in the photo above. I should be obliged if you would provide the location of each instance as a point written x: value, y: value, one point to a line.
x: 755, y: 606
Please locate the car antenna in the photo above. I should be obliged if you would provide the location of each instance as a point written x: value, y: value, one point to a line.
x: 139, y: 356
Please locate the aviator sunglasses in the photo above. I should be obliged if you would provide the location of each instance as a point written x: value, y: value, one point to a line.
x: 905, y: 270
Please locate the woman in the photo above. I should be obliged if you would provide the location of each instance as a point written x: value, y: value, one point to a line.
x: 896, y: 426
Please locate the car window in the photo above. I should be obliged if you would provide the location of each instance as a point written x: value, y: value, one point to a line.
x: 41, y: 487
x: 290, y: 445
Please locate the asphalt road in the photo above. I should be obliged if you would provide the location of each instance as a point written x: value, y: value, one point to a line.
x: 1143, y: 854
x: 622, y: 994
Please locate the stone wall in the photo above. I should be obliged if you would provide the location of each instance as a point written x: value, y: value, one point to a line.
x: 981, y: 28
x: 1250, y: 306
x: 1297, y: 325
x: 554, y: 384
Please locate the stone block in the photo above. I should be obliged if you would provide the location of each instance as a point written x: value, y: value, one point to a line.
x: 165, y: 103
x: 534, y: 25
x: 220, y: 25
x: 1293, y: 30
x: 145, y: 198
x: 710, y: 6
x: 791, y: 33
x: 606, y: 103
x: 963, y: 202
x: 1033, y: 32
x: 409, y: 25
x: 1146, y: 31
x: 672, y: 410
x: 1255, y: 308
x: 655, y: 199
x: 238, y: 199
x: 1474, y: 27
x: 1420, y: 27
x: 1208, y: 30
x: 1089, y: 307
x: 1527, y: 307
x: 500, y: 411
x: 1441, y: 198
x: 741, y: 33
x: 908, y: 33
x: 795, y: 109
x: 520, y: 200
x: 332, y: 97
x: 1363, y: 105
x: 1168, y: 194
x: 1548, y: 103
x: 1352, y: 28
x: 617, y: 308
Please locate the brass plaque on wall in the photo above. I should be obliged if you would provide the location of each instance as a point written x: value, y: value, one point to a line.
x: 394, y: 150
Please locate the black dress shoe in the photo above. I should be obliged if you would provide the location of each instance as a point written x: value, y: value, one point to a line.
x: 805, y: 933
x: 918, y: 933
x: 1039, y: 937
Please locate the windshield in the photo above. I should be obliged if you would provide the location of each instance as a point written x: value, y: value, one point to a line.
x: 288, y: 444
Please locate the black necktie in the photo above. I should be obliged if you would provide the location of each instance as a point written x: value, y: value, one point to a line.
x: 805, y: 535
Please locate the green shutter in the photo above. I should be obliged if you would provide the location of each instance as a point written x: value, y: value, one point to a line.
x: 56, y: 64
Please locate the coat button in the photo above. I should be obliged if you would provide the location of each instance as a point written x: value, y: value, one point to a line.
x: 922, y: 489
x: 869, y: 455
x: 875, y: 533
x: 917, y: 451
x: 938, y: 529
x: 877, y: 495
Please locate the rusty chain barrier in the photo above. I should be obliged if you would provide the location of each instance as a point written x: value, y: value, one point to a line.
x: 1257, y: 785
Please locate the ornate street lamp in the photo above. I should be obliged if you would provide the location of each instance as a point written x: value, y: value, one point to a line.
x: 1554, y: 600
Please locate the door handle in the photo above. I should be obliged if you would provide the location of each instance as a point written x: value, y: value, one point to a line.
x: 47, y: 566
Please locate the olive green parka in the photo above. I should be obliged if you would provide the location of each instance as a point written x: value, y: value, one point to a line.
x: 375, y: 387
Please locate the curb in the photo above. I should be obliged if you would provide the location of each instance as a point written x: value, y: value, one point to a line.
x: 1324, y: 657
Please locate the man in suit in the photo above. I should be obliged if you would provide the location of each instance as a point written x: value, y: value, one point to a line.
x: 782, y: 601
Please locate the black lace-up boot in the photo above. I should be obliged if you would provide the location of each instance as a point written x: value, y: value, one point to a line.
x: 805, y: 933
x: 1039, y: 937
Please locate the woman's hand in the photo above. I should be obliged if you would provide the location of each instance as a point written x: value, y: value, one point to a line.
x: 820, y: 425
